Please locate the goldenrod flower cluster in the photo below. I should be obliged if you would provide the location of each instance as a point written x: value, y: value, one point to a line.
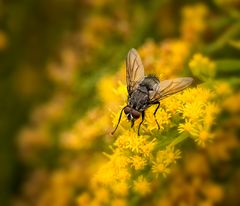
x: 194, y: 22
x: 135, y: 162
x: 202, y: 67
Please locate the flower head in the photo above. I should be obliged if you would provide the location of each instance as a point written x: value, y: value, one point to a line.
x: 202, y: 67
x: 138, y: 162
x: 142, y: 186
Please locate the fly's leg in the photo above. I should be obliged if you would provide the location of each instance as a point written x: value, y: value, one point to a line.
x: 143, y: 116
x: 158, y: 105
x: 132, y: 123
x: 119, y: 119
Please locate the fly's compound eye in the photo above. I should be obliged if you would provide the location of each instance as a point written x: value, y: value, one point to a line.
x: 135, y: 114
x: 127, y: 110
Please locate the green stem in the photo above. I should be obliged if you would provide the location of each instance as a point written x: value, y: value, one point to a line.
x: 179, y: 139
x: 226, y: 66
x: 232, y: 32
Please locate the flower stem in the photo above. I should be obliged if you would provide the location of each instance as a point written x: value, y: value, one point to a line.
x: 179, y: 139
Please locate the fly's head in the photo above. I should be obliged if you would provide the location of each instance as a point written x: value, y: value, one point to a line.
x: 131, y: 113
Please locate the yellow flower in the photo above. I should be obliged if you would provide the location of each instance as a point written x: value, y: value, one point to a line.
x: 203, y: 137
x: 120, y: 188
x: 102, y: 195
x: 121, y: 90
x: 103, y: 84
x: 160, y: 168
x: 162, y: 117
x: 130, y: 140
x: 83, y: 199
x: 171, y: 105
x: 171, y: 155
x: 231, y: 104
x: 110, y: 173
x: 105, y: 175
x: 122, y: 142
x: 119, y: 202
x: 122, y: 174
x: 211, y: 111
x: 222, y: 88
x: 95, y: 202
x: 110, y: 96
x: 198, y: 114
x: 147, y: 148
x: 71, y: 141
x: 138, y: 162
x: 213, y: 192
x: 163, y: 160
x: 134, y: 143
x: 199, y: 131
x: 202, y: 67
x: 142, y: 186
x: 197, y: 94
x: 118, y: 159
x: 193, y: 111
x: 223, y: 145
x: 187, y: 127
x: 193, y: 22
x: 173, y: 55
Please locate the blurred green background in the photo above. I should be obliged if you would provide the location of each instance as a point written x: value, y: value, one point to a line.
x: 38, y: 36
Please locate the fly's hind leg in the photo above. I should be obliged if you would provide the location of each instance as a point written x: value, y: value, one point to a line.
x: 143, y: 116
x: 158, y: 105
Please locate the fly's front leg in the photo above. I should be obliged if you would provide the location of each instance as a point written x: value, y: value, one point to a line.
x: 158, y: 105
x: 119, y: 119
x: 143, y: 116
x: 132, y: 123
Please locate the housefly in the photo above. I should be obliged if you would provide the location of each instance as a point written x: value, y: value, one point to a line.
x: 144, y: 91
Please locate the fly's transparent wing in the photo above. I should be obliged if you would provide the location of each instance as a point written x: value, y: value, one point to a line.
x: 134, y: 70
x: 169, y: 87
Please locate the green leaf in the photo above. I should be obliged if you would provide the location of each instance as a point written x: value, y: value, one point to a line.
x: 228, y: 66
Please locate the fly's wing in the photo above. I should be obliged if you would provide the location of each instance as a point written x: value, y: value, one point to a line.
x: 134, y: 70
x: 169, y: 87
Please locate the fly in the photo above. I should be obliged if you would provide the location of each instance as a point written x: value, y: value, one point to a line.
x: 144, y: 91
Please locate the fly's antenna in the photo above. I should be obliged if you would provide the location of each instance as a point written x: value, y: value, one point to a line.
x: 119, y: 119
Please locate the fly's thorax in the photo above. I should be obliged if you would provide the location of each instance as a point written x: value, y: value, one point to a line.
x: 150, y: 82
x: 152, y: 85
